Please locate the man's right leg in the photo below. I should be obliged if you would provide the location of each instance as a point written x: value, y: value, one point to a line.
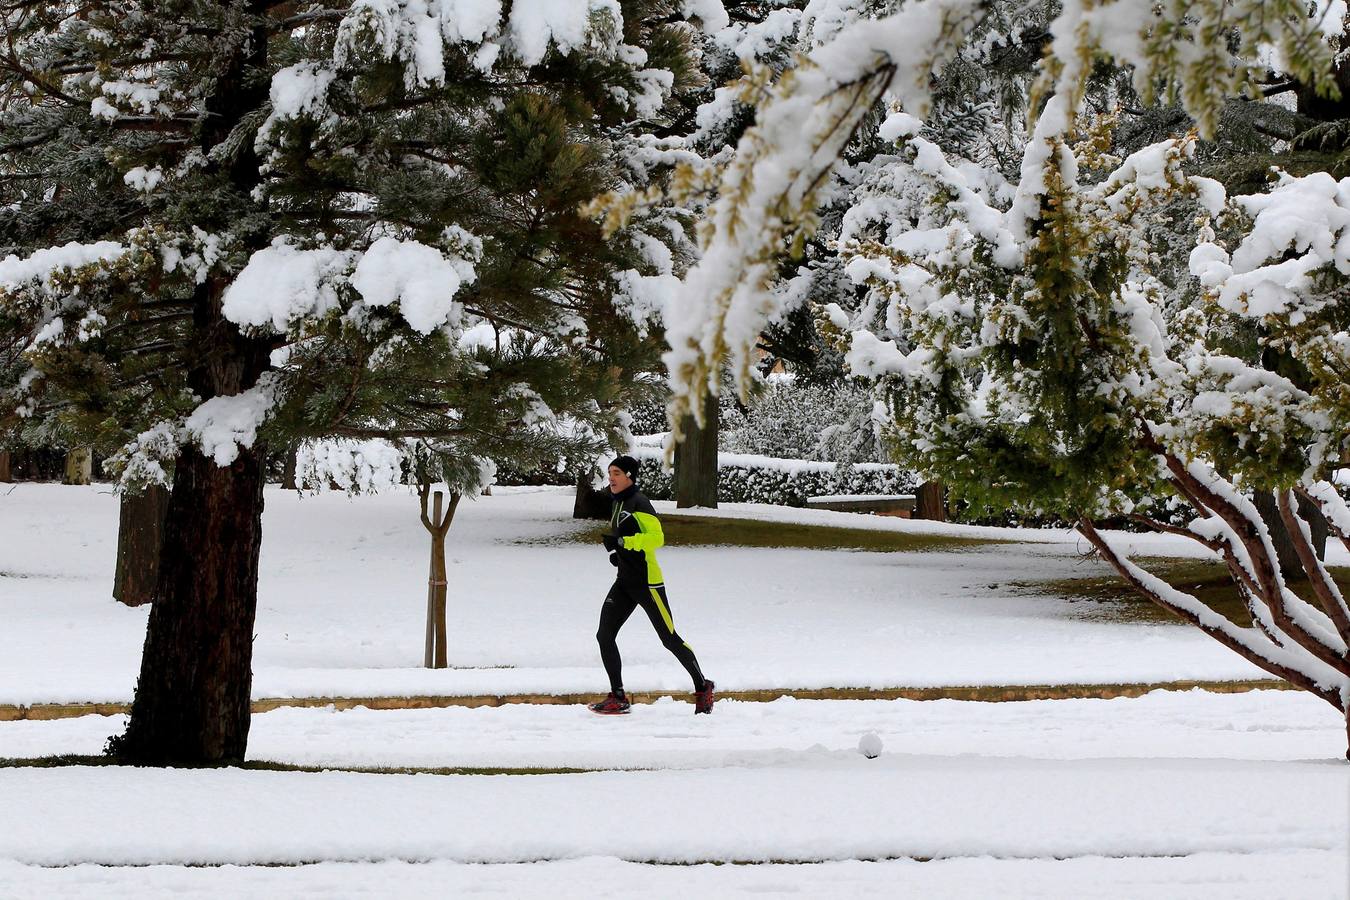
x: 618, y: 606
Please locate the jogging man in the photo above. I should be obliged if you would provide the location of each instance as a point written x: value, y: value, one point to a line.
x: 633, y: 536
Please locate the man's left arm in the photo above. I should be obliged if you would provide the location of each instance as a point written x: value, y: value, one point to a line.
x: 649, y: 536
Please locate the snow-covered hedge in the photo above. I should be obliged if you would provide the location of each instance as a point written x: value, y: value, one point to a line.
x: 794, y: 420
x: 791, y: 420
x: 742, y: 478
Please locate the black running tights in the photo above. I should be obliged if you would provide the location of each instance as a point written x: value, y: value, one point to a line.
x: 619, y: 605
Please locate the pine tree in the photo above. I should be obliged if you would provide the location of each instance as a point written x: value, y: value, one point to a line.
x: 346, y: 224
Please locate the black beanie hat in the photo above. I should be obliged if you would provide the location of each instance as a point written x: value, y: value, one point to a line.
x: 627, y: 465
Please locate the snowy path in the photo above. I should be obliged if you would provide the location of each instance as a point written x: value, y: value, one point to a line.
x: 1260, y: 725
x: 342, y: 596
x: 1267, y: 875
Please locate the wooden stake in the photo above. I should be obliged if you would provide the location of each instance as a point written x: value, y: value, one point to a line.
x: 434, y: 653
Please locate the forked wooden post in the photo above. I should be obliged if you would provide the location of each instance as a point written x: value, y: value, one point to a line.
x: 434, y: 649
x: 429, y: 654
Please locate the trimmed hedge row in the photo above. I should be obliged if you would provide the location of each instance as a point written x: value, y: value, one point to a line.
x: 782, y: 482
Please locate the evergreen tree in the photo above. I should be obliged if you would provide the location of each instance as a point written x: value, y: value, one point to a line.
x: 1049, y: 367
x: 244, y: 224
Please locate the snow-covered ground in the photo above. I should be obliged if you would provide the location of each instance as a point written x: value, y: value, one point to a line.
x: 343, y: 586
x: 1258, y: 725
x: 1171, y: 795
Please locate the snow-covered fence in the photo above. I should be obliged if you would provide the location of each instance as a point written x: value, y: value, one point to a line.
x: 742, y: 478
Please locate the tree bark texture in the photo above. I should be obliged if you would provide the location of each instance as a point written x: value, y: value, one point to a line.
x: 288, y: 469
x: 590, y: 503
x: 192, y: 697
x: 930, y: 502
x: 696, y: 460
x: 1290, y: 565
x: 6, y: 470
x: 79, y: 466
x: 139, y: 533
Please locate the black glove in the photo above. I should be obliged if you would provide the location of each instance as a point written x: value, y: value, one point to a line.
x: 614, y: 560
x: 610, y: 541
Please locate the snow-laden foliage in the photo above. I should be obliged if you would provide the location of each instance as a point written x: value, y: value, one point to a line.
x: 768, y: 195
x: 1039, y: 352
x: 234, y: 225
x: 1049, y: 370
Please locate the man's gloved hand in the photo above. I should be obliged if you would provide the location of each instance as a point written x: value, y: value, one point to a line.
x: 614, y: 560
x: 610, y: 541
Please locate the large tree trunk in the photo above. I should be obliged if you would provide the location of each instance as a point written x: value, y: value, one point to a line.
x: 79, y: 466
x: 1290, y: 566
x: 696, y: 460
x: 930, y: 502
x: 590, y: 503
x: 139, y: 531
x: 6, y: 471
x: 192, y: 697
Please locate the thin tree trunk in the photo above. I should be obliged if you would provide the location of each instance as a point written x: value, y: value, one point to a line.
x: 929, y: 502
x: 696, y: 460
x: 1290, y: 565
x: 79, y: 466
x: 6, y: 470
x: 192, y: 697
x: 288, y: 469
x: 139, y: 532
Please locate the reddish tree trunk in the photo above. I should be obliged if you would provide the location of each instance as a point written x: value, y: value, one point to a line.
x: 6, y: 473
x: 1290, y: 565
x: 929, y: 502
x: 192, y: 697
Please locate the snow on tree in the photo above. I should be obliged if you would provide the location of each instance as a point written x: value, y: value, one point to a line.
x: 1041, y: 347
x: 768, y: 194
x: 240, y: 225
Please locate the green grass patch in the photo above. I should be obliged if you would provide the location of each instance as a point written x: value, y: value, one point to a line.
x: 709, y: 531
x: 1109, y: 598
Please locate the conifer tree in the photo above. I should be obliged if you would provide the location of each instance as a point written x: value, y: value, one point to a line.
x: 242, y: 224
x: 1049, y: 367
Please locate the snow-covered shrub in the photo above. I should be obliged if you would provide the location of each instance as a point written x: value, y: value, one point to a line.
x: 825, y: 422
x: 648, y: 418
x: 743, y: 478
